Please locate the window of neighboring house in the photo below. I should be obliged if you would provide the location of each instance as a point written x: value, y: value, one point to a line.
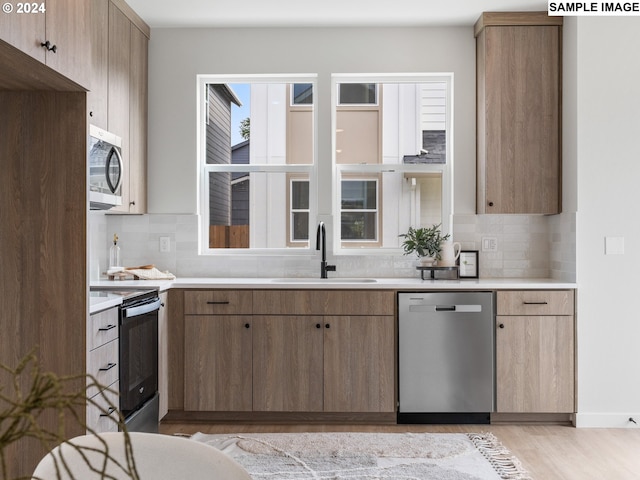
x: 299, y: 210
x: 258, y: 177
x: 392, y: 159
x: 358, y: 94
x: 359, y: 219
x: 302, y: 94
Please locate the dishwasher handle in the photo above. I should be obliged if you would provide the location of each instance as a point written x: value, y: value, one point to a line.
x: 445, y: 308
x: 423, y: 308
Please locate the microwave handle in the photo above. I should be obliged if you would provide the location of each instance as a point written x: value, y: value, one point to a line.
x: 119, y: 158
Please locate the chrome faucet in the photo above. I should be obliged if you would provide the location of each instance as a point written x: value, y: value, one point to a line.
x: 321, y: 237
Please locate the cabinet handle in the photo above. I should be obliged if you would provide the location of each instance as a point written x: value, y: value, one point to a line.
x: 328, y: 325
x: 318, y: 325
x: 107, y: 328
x: 491, y: 204
x: 535, y: 303
x: 501, y: 325
x: 49, y: 46
x: 218, y: 303
x: 132, y: 203
x: 162, y: 304
x: 109, y: 366
x: 247, y: 325
x: 109, y: 412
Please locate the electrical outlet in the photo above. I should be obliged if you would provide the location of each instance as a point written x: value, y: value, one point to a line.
x: 165, y: 244
x: 489, y: 244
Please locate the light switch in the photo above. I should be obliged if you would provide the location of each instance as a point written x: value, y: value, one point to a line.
x: 489, y: 244
x: 614, y: 245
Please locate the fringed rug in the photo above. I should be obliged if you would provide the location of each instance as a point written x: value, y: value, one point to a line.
x: 355, y: 456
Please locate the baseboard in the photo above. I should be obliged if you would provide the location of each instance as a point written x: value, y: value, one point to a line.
x: 607, y: 420
x: 532, y: 418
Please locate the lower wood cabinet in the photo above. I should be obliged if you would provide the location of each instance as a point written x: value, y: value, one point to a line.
x: 301, y: 358
x: 218, y: 363
x: 535, y: 354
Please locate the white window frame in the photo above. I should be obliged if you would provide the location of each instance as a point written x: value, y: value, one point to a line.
x: 445, y: 170
x: 204, y: 168
x: 292, y: 210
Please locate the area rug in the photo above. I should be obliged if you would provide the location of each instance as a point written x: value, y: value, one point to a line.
x: 355, y: 456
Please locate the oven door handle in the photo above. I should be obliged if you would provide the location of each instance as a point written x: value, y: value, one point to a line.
x: 141, y: 309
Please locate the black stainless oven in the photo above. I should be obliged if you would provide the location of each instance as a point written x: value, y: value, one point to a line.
x: 139, y: 361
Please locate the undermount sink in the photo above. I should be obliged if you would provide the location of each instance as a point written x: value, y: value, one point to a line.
x: 324, y: 280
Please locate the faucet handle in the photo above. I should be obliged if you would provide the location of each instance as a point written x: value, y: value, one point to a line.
x: 330, y: 268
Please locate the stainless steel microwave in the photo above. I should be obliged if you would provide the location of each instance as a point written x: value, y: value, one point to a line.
x: 105, y: 169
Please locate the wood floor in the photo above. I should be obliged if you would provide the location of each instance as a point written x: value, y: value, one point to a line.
x: 548, y: 452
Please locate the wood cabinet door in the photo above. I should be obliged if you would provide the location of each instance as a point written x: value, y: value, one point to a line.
x: 519, y: 165
x: 287, y: 363
x: 118, y: 90
x: 25, y: 32
x: 68, y: 28
x: 217, y: 374
x: 98, y: 83
x: 535, y: 364
x: 359, y: 367
x: 138, y: 122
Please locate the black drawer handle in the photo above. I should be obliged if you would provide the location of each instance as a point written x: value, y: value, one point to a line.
x: 109, y: 412
x: 318, y: 325
x: 328, y: 325
x: 107, y: 328
x: 247, y: 325
x: 49, y: 46
x: 224, y: 302
x: 501, y: 325
x: 535, y: 303
x: 109, y: 366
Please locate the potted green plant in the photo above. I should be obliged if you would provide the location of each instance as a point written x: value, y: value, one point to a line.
x: 425, y: 242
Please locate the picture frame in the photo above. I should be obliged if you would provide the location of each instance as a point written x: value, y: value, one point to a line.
x: 469, y: 264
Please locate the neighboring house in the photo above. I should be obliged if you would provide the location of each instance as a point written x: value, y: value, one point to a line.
x: 240, y: 183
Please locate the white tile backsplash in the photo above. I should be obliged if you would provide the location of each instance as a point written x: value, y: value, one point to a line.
x: 529, y: 246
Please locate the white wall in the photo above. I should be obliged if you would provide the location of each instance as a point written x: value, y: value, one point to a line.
x: 176, y: 56
x: 604, y: 103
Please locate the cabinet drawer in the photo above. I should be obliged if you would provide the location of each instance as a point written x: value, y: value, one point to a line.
x: 103, y: 364
x: 323, y: 302
x: 102, y: 412
x: 103, y: 328
x: 535, y: 302
x: 218, y: 302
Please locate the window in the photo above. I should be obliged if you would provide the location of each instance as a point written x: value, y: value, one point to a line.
x: 359, y: 210
x: 392, y: 158
x: 257, y: 176
x: 299, y: 210
x: 302, y: 94
x: 358, y: 94
x: 260, y: 183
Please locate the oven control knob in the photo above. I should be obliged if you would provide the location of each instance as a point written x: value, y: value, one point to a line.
x: 141, y: 389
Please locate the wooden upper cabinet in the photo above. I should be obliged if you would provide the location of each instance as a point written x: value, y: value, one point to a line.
x: 519, y: 67
x: 139, y: 74
x: 64, y: 24
x: 118, y: 90
x: 99, y: 81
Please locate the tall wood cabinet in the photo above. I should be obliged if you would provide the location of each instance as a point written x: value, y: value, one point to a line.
x: 64, y: 24
x: 535, y: 354
x: 43, y: 192
x: 519, y: 75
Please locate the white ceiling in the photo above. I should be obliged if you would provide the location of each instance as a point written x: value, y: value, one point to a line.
x: 304, y: 13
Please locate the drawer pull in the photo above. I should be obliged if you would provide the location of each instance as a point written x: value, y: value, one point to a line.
x: 109, y: 412
x: 109, y: 366
x: 107, y: 328
x: 535, y: 303
x: 224, y: 302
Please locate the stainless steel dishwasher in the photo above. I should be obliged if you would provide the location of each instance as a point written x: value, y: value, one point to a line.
x: 446, y: 357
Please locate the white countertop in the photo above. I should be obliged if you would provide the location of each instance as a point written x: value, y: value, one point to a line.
x: 98, y: 304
